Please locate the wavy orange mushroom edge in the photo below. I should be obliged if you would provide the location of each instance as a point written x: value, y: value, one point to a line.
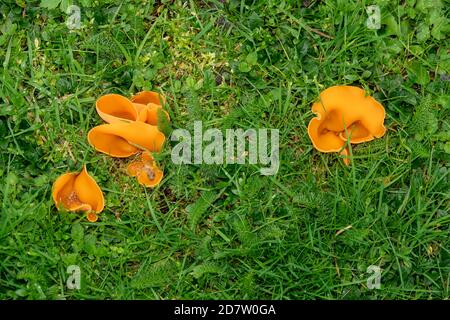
x: 131, y: 129
x: 78, y: 191
x: 345, y: 114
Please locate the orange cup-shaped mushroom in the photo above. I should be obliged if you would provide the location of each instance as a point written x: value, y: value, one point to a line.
x: 122, y: 139
x: 146, y: 171
x: 148, y: 103
x: 78, y: 191
x: 116, y: 108
x: 345, y: 113
x: 143, y: 107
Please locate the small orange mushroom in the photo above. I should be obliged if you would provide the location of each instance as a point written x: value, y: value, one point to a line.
x: 345, y: 113
x: 148, y: 103
x: 142, y: 107
x: 78, y: 191
x: 149, y: 113
x: 123, y: 139
x: 146, y: 171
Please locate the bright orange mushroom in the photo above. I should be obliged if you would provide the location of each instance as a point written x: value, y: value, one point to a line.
x: 142, y: 107
x: 132, y: 124
x: 146, y: 171
x: 78, y: 191
x: 146, y: 97
x: 116, y: 108
x: 148, y: 103
x: 149, y: 113
x: 123, y: 139
x: 345, y: 113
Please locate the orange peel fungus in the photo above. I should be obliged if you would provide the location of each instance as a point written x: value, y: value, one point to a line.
x: 123, y: 139
x: 147, y: 104
x: 131, y: 124
x: 78, y: 191
x: 131, y: 128
x: 142, y: 107
x: 146, y: 170
x: 345, y: 113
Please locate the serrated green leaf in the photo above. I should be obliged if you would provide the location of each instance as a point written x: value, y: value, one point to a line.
x: 199, y: 207
x: 206, y: 268
x: 424, y: 122
x: 158, y: 274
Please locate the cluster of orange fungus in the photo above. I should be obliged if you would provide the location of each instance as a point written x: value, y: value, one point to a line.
x: 146, y: 171
x: 345, y: 113
x: 78, y: 191
x: 131, y: 128
x: 143, y: 107
x: 131, y: 124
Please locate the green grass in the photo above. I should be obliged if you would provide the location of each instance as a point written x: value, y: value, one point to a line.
x: 225, y: 231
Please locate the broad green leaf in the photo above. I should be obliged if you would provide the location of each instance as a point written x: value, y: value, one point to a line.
x: 440, y: 28
x: 392, y: 27
x: 90, y: 244
x: 418, y: 74
x: 50, y: 4
x: 252, y: 58
x: 65, y: 5
x: 423, y: 32
x: 244, y: 67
